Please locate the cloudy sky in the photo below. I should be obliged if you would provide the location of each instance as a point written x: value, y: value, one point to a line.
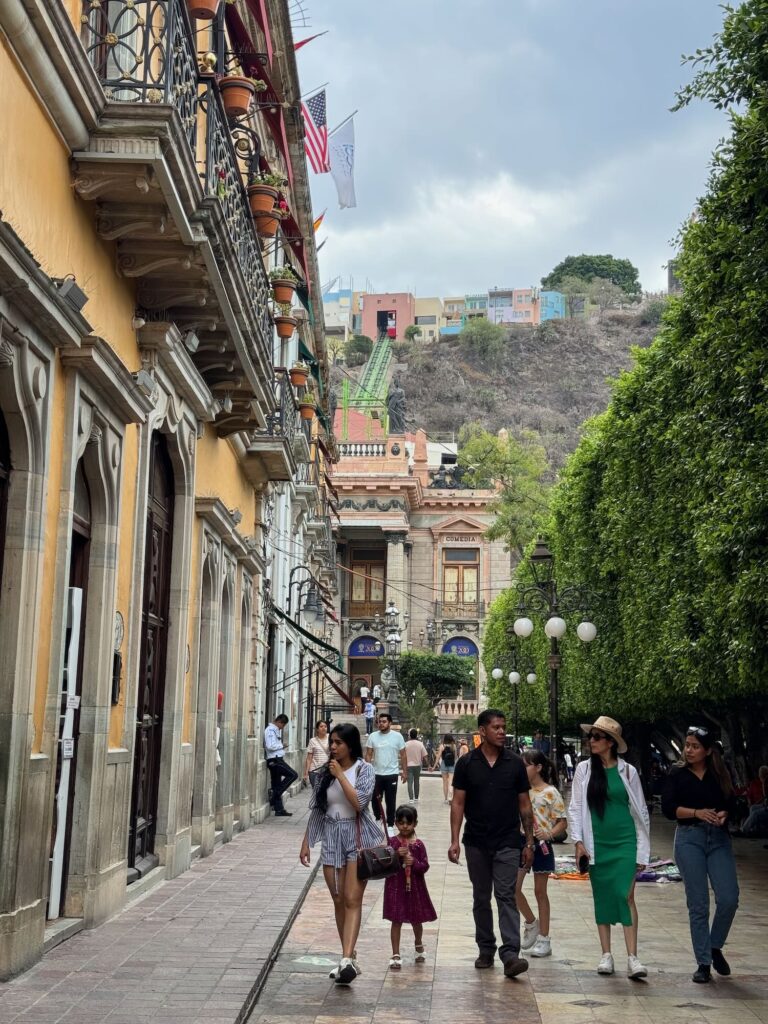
x: 498, y: 136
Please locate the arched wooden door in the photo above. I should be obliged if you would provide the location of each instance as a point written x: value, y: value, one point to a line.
x: 5, y: 473
x: 154, y: 640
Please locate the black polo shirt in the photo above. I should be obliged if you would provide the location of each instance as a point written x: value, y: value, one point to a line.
x: 491, y: 805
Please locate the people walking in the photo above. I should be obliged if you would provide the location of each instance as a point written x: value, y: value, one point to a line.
x: 385, y: 749
x: 369, y: 710
x: 609, y: 824
x: 406, y: 898
x: 281, y: 775
x: 548, y: 824
x: 338, y: 803
x: 317, y: 753
x: 445, y: 762
x: 490, y: 790
x: 698, y: 795
x: 415, y: 759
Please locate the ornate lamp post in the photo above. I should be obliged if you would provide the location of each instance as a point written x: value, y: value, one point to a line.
x: 545, y: 600
x: 392, y: 628
x: 515, y: 679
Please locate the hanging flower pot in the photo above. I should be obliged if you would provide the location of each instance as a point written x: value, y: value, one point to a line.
x: 285, y: 325
x: 262, y: 198
x: 203, y: 10
x: 268, y: 223
x: 299, y: 373
x: 307, y: 407
x: 237, y: 94
x: 283, y: 289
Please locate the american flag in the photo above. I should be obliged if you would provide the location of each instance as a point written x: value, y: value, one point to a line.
x: 316, y: 129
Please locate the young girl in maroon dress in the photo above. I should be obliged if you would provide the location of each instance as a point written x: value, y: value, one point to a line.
x: 406, y: 900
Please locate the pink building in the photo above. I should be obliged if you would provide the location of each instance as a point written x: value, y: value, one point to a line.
x: 514, y: 306
x: 387, y: 313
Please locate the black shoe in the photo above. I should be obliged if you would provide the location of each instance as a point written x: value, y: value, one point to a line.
x: 702, y: 974
x: 283, y: 814
x: 719, y: 962
x: 514, y: 966
x: 484, y: 960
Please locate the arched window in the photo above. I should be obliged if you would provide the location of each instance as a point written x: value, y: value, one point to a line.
x: 5, y: 473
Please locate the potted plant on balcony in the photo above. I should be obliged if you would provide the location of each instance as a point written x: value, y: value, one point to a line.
x: 283, y: 281
x: 268, y: 223
x: 203, y: 10
x: 263, y: 190
x: 284, y: 322
x: 237, y: 92
x: 299, y: 373
x: 307, y: 404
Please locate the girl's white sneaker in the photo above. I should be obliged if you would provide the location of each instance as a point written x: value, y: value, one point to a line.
x: 530, y: 934
x: 542, y: 946
x: 606, y: 964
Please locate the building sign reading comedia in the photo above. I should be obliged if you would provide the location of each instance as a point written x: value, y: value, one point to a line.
x: 460, y: 538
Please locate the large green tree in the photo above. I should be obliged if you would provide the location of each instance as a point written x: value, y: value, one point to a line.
x: 439, y: 675
x: 620, y: 272
x: 516, y: 467
x: 664, y: 506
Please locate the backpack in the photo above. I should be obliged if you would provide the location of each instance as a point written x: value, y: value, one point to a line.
x: 449, y: 757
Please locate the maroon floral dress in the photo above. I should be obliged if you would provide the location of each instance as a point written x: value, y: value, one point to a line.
x: 401, y: 905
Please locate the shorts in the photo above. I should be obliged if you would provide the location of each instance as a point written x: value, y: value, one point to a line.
x: 543, y: 863
x: 339, y: 843
x: 446, y: 767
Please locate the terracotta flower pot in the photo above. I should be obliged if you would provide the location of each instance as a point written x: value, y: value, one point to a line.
x: 285, y: 326
x: 298, y: 377
x: 307, y: 412
x: 236, y: 95
x: 267, y: 224
x: 203, y: 10
x: 283, y: 289
x: 262, y: 198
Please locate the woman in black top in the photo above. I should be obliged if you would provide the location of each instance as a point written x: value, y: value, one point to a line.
x: 698, y: 794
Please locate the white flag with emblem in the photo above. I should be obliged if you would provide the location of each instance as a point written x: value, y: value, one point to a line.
x: 341, y: 153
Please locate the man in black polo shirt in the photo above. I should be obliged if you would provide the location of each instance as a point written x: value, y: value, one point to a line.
x: 490, y: 789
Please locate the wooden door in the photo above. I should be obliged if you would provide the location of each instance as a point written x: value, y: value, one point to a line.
x: 152, y: 661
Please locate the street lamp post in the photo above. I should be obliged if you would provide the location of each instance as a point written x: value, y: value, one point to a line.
x: 545, y: 600
x: 515, y: 679
x: 391, y: 626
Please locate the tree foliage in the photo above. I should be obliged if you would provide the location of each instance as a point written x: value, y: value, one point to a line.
x: 412, y: 332
x: 619, y: 272
x: 358, y: 345
x: 516, y: 467
x: 418, y: 711
x: 605, y: 294
x: 576, y: 291
x: 663, y: 508
x: 482, y: 337
x: 439, y: 675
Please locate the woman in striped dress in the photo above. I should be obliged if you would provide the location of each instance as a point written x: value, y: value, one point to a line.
x: 341, y: 796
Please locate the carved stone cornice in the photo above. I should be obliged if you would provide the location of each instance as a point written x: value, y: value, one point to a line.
x: 161, y: 344
x: 109, y: 376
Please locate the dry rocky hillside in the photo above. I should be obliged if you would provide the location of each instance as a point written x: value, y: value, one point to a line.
x: 549, y: 379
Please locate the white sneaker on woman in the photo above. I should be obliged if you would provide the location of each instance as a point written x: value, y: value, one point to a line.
x: 346, y: 971
x: 635, y: 969
x: 606, y: 964
x: 542, y: 946
x: 530, y: 934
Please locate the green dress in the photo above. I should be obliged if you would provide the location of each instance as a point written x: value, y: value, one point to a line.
x: 614, y: 868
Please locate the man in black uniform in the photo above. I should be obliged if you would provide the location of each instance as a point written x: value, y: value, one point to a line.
x: 490, y: 789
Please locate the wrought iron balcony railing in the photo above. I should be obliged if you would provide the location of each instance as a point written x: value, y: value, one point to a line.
x: 459, y: 610
x: 143, y: 52
x: 284, y: 421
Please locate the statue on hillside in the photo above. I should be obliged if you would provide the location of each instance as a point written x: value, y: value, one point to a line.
x: 396, y: 408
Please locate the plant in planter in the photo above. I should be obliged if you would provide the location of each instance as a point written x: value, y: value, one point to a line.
x: 263, y: 190
x: 267, y: 223
x: 237, y: 92
x: 307, y: 404
x: 283, y: 284
x: 203, y: 10
x: 284, y: 322
x: 299, y: 374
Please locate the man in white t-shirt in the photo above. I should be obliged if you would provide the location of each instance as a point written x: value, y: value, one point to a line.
x: 385, y: 750
x: 415, y: 758
x: 364, y: 694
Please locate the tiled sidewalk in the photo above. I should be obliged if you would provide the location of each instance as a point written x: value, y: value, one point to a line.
x: 562, y: 989
x: 196, y: 948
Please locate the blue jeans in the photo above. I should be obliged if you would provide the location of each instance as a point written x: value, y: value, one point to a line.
x: 705, y: 856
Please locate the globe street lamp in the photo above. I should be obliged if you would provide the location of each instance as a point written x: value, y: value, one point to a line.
x: 545, y: 600
x: 391, y: 626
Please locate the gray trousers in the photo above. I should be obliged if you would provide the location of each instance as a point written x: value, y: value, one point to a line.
x: 495, y: 874
x: 414, y: 777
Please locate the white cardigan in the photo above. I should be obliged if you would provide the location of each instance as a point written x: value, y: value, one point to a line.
x: 580, y: 817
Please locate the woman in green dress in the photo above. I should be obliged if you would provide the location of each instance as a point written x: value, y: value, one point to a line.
x: 608, y: 821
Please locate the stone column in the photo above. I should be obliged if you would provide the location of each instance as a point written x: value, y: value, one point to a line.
x: 396, y: 576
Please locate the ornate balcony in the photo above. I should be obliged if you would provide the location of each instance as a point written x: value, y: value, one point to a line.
x: 460, y: 611
x: 163, y: 169
x: 271, y: 454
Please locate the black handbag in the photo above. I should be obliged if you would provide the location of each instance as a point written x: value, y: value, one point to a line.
x: 376, y: 861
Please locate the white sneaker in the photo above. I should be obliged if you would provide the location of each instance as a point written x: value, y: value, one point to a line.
x: 606, y: 964
x: 530, y: 934
x: 346, y: 971
x: 635, y: 969
x: 542, y: 947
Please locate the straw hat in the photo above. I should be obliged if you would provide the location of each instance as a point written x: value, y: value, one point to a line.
x: 610, y: 727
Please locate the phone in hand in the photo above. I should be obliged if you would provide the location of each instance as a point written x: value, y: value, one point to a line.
x: 583, y: 863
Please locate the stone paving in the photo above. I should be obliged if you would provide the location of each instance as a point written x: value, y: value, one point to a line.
x: 562, y: 989
x: 199, y: 949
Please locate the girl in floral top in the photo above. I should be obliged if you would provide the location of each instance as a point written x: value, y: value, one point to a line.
x: 548, y: 823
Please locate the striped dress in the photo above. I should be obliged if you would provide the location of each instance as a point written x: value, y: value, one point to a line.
x: 338, y: 835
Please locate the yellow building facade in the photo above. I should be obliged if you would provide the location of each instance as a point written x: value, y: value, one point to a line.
x: 159, y: 482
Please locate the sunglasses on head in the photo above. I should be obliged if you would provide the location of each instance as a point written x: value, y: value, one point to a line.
x: 697, y: 730
x: 597, y: 735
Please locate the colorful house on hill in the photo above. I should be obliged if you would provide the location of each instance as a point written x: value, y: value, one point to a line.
x: 387, y: 314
